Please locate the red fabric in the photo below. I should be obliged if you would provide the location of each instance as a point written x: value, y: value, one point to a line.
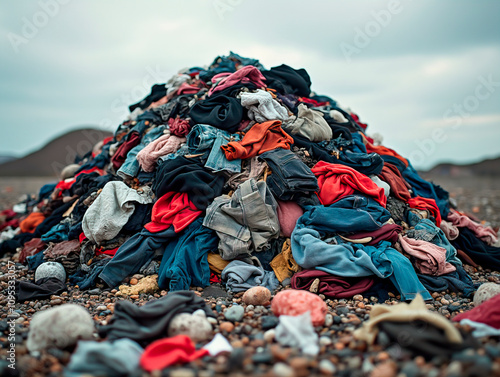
x: 175, y: 209
x: 29, y: 224
x: 336, y: 181
x: 110, y: 252
x: 392, y: 176
x: 247, y: 74
x: 214, y: 278
x: 179, y: 127
x: 14, y: 223
x: 426, y: 204
x: 32, y: 247
x: 67, y: 183
x: 312, y: 102
x: 262, y: 137
x: 361, y: 124
x: 121, y: 153
x: 169, y: 351
x: 488, y: 313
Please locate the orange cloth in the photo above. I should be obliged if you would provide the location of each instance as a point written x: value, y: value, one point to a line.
x: 29, y: 224
x: 216, y: 263
x: 283, y: 264
x: 381, y: 150
x: 262, y: 137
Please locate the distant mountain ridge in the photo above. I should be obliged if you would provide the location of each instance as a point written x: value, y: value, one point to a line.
x: 485, y: 168
x: 49, y: 160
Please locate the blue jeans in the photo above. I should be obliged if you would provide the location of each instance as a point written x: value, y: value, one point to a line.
x: 131, y: 167
x: 136, y: 252
x: 208, y: 140
x: 244, y: 222
x: 353, y: 213
x: 184, y: 261
x: 290, y: 177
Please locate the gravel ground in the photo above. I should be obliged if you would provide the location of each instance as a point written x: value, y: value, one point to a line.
x: 255, y: 351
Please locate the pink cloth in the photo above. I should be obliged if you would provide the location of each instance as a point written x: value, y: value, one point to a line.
x: 451, y: 231
x: 430, y: 258
x: 162, y: 146
x: 178, y: 126
x: 245, y: 75
x: 186, y: 88
x: 288, y: 214
x: 484, y: 233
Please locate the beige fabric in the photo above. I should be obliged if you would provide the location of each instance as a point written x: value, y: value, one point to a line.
x: 404, y: 312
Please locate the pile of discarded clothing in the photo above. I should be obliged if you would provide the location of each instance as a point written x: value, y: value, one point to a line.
x: 242, y: 175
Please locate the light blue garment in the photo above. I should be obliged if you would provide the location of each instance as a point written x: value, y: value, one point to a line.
x: 118, y: 358
x: 240, y: 276
x: 131, y: 167
x: 208, y: 140
x: 343, y: 258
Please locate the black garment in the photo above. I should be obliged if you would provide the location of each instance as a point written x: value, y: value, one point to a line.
x: 291, y: 178
x: 272, y: 249
x: 287, y: 80
x: 480, y: 252
x: 220, y: 111
x: 140, y: 217
x: 365, y: 163
x: 42, y: 288
x: 187, y: 175
x: 424, y: 339
x: 177, y: 106
x: 150, y: 322
x: 456, y: 281
x: 157, y: 91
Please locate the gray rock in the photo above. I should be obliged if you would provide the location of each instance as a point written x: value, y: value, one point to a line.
x: 485, y: 292
x: 342, y: 310
x: 234, y: 313
x: 60, y: 327
x: 195, y: 326
x: 269, y: 322
x: 410, y: 369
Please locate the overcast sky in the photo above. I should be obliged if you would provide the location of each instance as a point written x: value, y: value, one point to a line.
x: 423, y: 74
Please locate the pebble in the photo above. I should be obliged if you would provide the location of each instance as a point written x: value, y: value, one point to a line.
x: 327, y: 367
x: 101, y: 308
x: 257, y: 296
x: 182, y: 372
x: 269, y: 322
x: 328, y: 320
x: 226, y: 326
x: 234, y: 313
x: 283, y: 370
x: 386, y: 369
x: 269, y: 335
x: 342, y: 310
x: 325, y: 341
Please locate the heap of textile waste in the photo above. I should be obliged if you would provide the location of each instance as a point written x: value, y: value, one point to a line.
x: 242, y: 175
